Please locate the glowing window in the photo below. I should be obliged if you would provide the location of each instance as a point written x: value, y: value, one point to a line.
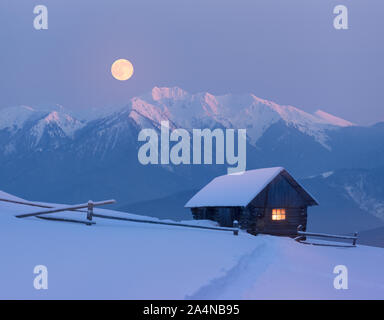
x: 278, y: 214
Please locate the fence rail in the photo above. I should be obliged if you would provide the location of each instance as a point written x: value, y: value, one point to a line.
x: 88, y: 205
x: 303, y: 234
x: 90, y: 214
x: 235, y: 230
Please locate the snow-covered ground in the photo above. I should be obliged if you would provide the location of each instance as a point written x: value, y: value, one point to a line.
x: 128, y: 260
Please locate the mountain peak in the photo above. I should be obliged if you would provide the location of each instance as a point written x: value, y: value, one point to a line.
x: 52, y: 117
x: 67, y: 124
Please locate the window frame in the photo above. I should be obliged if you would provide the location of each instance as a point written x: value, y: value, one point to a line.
x: 279, y: 214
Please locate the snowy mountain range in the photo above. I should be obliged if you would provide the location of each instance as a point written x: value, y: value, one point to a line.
x: 60, y: 155
x: 180, y: 108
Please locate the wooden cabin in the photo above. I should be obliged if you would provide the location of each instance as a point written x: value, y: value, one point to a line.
x: 265, y: 200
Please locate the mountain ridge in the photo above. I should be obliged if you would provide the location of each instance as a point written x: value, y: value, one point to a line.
x: 187, y: 111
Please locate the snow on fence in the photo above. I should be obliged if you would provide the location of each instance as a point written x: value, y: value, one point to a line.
x: 302, y: 234
x: 89, y: 205
x: 90, y: 214
x: 39, y: 205
x: 235, y: 228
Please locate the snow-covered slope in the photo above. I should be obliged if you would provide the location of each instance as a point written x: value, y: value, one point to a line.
x: 127, y: 260
x: 7, y: 196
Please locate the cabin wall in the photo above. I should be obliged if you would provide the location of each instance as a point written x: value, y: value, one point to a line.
x: 263, y: 222
x: 223, y: 215
x: 255, y: 220
x: 279, y: 194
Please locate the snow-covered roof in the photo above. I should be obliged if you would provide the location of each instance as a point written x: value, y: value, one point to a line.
x: 234, y: 190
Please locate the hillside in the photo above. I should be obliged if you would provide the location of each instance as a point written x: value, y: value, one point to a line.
x: 169, y: 207
x: 373, y: 237
x: 127, y: 260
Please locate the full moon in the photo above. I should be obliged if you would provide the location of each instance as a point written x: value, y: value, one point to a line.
x: 122, y: 69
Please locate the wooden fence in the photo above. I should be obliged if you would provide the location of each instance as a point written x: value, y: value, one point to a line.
x: 303, y: 235
x: 90, y: 214
x: 235, y: 229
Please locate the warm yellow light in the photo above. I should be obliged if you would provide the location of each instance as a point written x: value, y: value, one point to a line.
x: 278, y: 214
x: 122, y: 69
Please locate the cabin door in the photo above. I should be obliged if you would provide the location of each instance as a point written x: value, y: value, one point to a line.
x: 260, y: 219
x: 225, y: 217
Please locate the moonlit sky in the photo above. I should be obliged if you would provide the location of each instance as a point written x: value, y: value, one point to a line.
x: 283, y: 50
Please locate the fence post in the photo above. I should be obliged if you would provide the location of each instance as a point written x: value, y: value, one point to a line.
x: 90, y: 210
x: 236, y: 226
x: 300, y: 237
x: 354, y: 240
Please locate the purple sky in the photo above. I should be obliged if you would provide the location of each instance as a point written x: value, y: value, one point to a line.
x: 283, y: 50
